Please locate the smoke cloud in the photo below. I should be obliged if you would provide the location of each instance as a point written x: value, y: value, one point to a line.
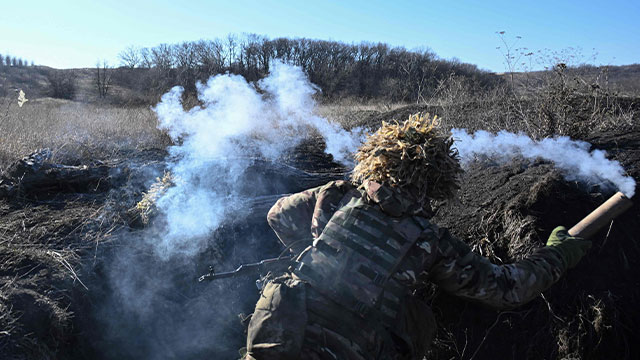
x: 217, y: 141
x: 153, y: 306
x: 573, y: 157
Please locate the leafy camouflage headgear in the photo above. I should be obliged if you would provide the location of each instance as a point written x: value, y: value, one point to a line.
x: 413, y: 155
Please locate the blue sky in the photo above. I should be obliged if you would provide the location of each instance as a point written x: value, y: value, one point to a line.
x: 76, y: 33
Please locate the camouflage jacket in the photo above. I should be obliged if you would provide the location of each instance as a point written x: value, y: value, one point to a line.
x: 444, y: 260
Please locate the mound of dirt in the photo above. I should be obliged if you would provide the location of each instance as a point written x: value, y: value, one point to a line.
x: 504, y: 212
x: 68, y: 240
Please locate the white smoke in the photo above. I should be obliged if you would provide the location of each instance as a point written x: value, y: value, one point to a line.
x: 573, y: 157
x: 217, y: 141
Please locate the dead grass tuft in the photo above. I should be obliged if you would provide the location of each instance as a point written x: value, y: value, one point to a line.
x: 147, y: 206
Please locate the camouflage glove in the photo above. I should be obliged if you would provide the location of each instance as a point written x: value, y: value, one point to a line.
x: 571, y: 248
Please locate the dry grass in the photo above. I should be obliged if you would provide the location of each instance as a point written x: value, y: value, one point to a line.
x: 74, y: 130
x: 43, y: 248
x: 557, y: 103
x: 351, y: 113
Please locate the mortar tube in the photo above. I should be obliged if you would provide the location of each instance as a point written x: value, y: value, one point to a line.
x: 600, y: 217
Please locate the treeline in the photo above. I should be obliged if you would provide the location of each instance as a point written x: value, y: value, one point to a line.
x: 8, y: 60
x: 364, y: 70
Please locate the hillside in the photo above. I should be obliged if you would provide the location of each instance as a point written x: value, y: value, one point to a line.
x: 38, y: 82
x: 33, y: 80
x: 142, y: 86
x: 623, y: 80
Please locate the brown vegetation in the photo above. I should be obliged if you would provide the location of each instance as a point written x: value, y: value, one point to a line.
x: 74, y: 131
x: 363, y: 71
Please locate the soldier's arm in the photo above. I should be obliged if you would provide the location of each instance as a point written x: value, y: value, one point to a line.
x: 291, y: 216
x: 460, y: 271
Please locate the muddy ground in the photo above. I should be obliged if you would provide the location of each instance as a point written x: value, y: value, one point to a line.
x: 78, y: 279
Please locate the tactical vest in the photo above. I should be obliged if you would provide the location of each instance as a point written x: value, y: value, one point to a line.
x: 353, y: 260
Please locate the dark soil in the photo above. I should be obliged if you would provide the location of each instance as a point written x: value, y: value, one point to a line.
x: 504, y: 213
x: 67, y: 253
x: 50, y: 231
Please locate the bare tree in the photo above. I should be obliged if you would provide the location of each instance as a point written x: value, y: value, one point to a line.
x: 186, y: 62
x: 130, y: 57
x: 265, y: 54
x: 249, y: 49
x: 103, y: 79
x: 230, y: 50
x: 283, y: 48
x: 162, y: 56
x: 146, y: 60
x: 210, y: 57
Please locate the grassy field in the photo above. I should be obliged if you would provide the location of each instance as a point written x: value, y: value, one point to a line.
x: 75, y: 131
x: 78, y: 130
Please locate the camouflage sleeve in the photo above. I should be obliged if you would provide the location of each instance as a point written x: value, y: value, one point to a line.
x: 301, y: 217
x: 291, y: 216
x: 460, y: 271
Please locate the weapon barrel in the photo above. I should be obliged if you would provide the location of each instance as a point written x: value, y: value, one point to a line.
x: 600, y: 217
x: 275, y: 264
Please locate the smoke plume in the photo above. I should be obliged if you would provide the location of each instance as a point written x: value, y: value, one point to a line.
x: 217, y: 141
x: 153, y: 307
x: 573, y: 157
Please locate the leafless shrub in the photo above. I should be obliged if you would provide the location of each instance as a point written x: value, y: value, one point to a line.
x: 62, y: 84
x: 103, y: 79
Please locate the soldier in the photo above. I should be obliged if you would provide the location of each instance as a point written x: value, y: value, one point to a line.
x: 367, y: 245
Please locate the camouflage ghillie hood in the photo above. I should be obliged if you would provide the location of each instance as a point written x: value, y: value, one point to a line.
x: 412, y: 156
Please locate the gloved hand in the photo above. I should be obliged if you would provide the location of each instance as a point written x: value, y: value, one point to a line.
x: 571, y: 248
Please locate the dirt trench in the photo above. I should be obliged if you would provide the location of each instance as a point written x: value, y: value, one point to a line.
x: 75, y: 259
x: 72, y: 258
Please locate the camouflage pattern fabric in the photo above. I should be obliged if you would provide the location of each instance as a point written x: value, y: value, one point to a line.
x: 279, y: 328
x: 276, y: 329
x: 437, y: 257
